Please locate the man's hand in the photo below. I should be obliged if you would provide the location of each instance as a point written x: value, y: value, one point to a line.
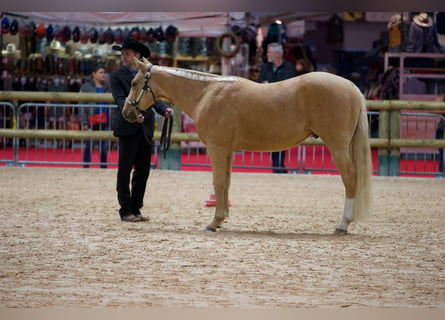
x: 140, y: 118
x: 167, y: 112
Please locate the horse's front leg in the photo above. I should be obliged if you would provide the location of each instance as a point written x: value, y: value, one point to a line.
x: 220, y: 214
x: 221, y: 169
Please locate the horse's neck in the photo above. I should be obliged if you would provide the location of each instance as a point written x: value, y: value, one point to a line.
x: 179, y: 87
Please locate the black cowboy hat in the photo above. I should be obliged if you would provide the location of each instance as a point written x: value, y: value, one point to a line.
x: 109, y: 36
x: 14, y: 27
x: 66, y: 34
x: 151, y: 36
x: 76, y: 34
x: 101, y: 36
x: 130, y: 43
x: 118, y: 35
x: 49, y: 33
x: 92, y: 33
x: 171, y: 33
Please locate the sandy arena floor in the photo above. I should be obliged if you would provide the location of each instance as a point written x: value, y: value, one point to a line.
x: 62, y: 243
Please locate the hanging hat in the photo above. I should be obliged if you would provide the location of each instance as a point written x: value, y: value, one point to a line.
x: 66, y: 34
x: 377, y: 46
x: 41, y: 31
x: 56, y: 47
x: 143, y: 35
x: 130, y: 43
x: 159, y: 33
x: 11, y: 51
x: 49, y: 33
x: 423, y: 20
x: 57, y: 32
x: 93, y: 35
x: 76, y: 34
x: 109, y: 36
x: 30, y: 29
x: 151, y: 36
x: 135, y: 33
x: 171, y: 33
x: 118, y: 35
x: 5, y: 25
x: 14, y: 28
x: 101, y: 36
x: 126, y: 33
x: 84, y: 35
x: 395, y: 20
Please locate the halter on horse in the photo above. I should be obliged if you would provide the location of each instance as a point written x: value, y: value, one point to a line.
x: 144, y: 89
x: 168, y: 122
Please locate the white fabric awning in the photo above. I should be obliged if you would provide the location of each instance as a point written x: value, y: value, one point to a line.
x: 188, y: 23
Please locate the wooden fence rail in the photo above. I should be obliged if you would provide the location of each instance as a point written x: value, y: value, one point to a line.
x: 389, y: 141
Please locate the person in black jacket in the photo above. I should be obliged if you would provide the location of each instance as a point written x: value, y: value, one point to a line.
x: 276, y: 69
x: 135, y: 139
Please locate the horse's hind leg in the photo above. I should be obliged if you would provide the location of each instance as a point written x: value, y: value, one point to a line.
x: 346, y: 167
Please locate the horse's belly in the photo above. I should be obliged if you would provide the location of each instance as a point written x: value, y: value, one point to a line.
x: 269, y: 142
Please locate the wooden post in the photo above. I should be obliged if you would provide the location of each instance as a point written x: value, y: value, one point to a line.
x: 394, y: 152
x: 383, y: 169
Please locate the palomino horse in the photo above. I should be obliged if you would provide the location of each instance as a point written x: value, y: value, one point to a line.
x: 232, y: 113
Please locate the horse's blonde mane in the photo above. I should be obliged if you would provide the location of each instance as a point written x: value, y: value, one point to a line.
x: 197, y: 75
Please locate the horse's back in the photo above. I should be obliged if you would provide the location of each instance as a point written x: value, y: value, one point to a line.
x: 325, y: 80
x: 328, y: 92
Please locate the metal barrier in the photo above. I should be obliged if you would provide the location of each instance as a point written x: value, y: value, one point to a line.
x: 71, y: 152
x: 51, y: 134
x: 7, y: 116
x: 416, y: 125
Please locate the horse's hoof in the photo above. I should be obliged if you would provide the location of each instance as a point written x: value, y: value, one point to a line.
x: 208, y: 228
x: 340, y: 232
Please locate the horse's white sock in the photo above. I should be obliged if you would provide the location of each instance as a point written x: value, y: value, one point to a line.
x: 347, y: 214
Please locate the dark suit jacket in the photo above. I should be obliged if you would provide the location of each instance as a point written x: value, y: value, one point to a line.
x: 120, y: 82
x: 285, y: 71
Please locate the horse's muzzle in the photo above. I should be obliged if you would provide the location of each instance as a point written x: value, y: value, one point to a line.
x: 129, y: 113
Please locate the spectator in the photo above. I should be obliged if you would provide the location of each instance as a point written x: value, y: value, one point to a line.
x: 276, y: 69
x: 422, y: 38
x: 422, y: 35
x: 96, y: 118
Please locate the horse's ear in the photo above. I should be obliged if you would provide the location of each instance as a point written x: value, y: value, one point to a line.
x: 145, y: 60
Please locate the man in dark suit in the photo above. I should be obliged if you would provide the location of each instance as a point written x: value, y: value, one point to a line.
x: 135, y: 139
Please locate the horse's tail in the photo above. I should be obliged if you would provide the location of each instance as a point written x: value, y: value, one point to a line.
x: 361, y: 156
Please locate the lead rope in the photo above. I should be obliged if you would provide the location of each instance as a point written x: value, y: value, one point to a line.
x: 166, y: 134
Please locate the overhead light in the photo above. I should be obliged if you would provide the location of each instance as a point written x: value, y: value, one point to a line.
x: 278, y: 22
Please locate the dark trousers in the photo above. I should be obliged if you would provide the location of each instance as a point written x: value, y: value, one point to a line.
x: 103, y: 150
x: 278, y: 161
x: 134, y: 152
